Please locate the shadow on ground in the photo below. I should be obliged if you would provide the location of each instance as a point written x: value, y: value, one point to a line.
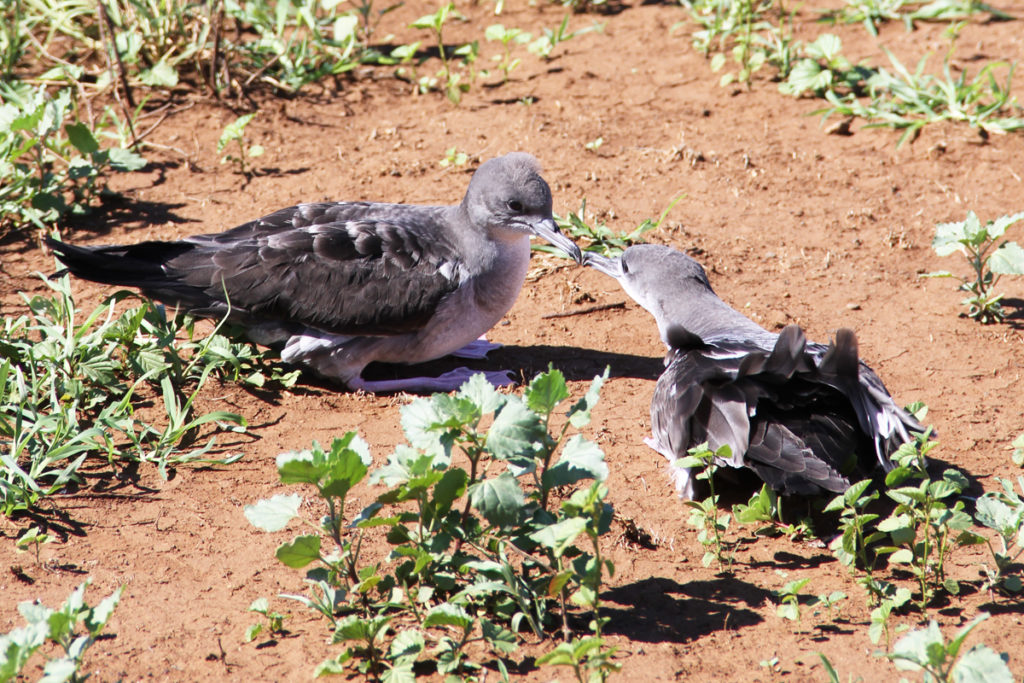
x: 657, y: 610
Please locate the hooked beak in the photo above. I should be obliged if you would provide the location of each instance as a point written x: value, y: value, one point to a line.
x: 546, y: 229
x: 603, y: 264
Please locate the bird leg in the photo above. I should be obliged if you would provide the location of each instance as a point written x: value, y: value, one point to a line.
x: 477, y: 349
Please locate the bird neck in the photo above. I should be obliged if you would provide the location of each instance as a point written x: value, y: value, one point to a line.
x: 711, y: 319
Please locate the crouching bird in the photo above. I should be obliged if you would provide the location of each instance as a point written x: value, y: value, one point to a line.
x: 338, y: 285
x: 805, y: 417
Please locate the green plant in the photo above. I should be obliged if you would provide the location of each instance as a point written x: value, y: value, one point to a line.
x: 822, y: 68
x: 235, y: 132
x: 871, y: 13
x: 1003, y: 512
x: 947, y: 10
x: 275, y: 620
x: 50, y: 162
x: 34, y: 537
x: 69, y: 384
x: 789, y: 599
x: 828, y: 601
x: 601, y: 238
x: 1018, y: 451
x: 857, y: 526
x: 704, y: 514
x: 924, y: 528
x: 454, y: 84
x: 988, y: 258
x: 481, y: 547
x: 507, y: 37
x: 909, y: 101
x: 890, y: 599
x: 552, y: 38
x: 926, y: 650
x: 59, y: 627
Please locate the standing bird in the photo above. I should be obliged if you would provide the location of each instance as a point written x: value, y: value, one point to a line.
x: 804, y: 417
x: 339, y: 285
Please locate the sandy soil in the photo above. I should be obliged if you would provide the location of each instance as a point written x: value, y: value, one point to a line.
x: 794, y: 225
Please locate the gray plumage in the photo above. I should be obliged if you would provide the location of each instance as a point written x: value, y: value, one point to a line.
x: 805, y: 417
x: 339, y: 285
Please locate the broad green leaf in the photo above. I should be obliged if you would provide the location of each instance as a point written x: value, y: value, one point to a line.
x: 517, y: 432
x: 447, y: 614
x: 998, y: 227
x: 125, y: 160
x: 234, y: 131
x: 408, y: 643
x: 500, y: 500
x: 162, y: 75
x: 546, y: 391
x: 482, y: 393
x: 273, y: 514
x: 580, y: 459
x: 981, y: 664
x: 1008, y: 259
x: 498, y: 637
x: 346, y: 469
x: 559, y: 536
x: 902, y: 556
x: 82, y: 138
x: 562, y: 655
x: 449, y: 488
x: 300, y: 551
x: 400, y: 671
x: 910, y: 652
x: 300, y: 467
x: 419, y: 420
x: 99, y: 615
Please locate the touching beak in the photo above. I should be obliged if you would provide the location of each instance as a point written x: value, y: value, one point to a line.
x: 546, y: 229
x: 608, y: 266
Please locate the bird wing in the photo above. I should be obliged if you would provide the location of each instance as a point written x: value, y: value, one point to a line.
x: 779, y: 409
x: 345, y: 268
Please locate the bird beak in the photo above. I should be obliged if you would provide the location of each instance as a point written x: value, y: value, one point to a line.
x: 546, y: 229
x: 608, y: 266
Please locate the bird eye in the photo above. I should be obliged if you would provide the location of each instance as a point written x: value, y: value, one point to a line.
x: 515, y: 205
x: 625, y: 268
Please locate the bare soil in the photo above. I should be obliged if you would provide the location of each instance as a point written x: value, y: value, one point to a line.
x: 795, y: 225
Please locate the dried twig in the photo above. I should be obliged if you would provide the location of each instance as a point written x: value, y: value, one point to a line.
x: 584, y: 311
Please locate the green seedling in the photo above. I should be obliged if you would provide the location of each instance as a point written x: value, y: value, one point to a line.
x: 481, y: 550
x: 275, y: 620
x: 546, y: 44
x: 910, y: 101
x: 872, y: 13
x: 1003, y: 513
x: 34, y: 537
x: 600, y: 237
x: 74, y: 628
x: 704, y: 514
x: 453, y: 158
x: 1018, y: 451
x: 857, y: 526
x: 234, y: 132
x: 889, y: 599
x: 822, y: 68
x: 828, y: 601
x: 587, y: 657
x: 924, y: 528
x: 925, y: 650
x: 454, y: 84
x: 51, y: 163
x: 507, y: 37
x: 833, y: 675
x: 789, y: 599
x: 988, y: 257
x: 951, y: 10
x: 765, y: 510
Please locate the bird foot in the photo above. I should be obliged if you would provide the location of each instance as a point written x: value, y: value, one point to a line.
x: 477, y: 349
x: 449, y: 381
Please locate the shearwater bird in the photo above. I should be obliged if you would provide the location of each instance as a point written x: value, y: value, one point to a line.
x: 338, y: 285
x: 805, y: 417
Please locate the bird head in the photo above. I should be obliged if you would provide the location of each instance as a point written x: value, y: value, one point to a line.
x: 507, y: 197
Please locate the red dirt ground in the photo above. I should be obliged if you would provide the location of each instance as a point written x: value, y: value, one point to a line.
x: 794, y: 225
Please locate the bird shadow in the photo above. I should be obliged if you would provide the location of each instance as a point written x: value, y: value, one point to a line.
x: 1014, y: 311
x: 525, y: 362
x: 118, y: 211
x: 658, y: 609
